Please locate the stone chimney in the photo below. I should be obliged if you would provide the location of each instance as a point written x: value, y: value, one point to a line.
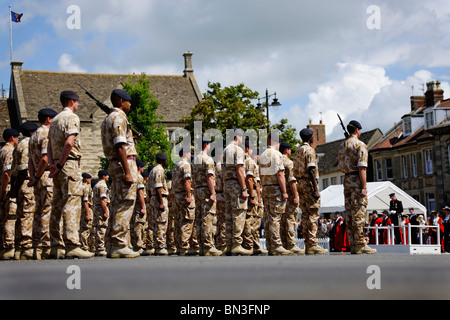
x: 417, y: 102
x: 188, y: 70
x: 434, y: 93
x: 16, y: 66
x: 319, y: 132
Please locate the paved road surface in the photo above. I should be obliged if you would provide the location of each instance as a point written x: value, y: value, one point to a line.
x: 231, y: 278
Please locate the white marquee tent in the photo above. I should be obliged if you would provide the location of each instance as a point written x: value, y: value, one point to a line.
x: 332, y: 198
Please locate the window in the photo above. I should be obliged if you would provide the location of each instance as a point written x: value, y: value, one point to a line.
x: 414, y: 166
x: 429, y: 121
x: 333, y: 181
x: 428, y: 156
x: 389, y: 170
x: 448, y: 156
x: 407, y: 128
x: 378, y: 172
x: 342, y: 179
x: 325, y: 183
x: 404, y: 167
x: 431, y: 202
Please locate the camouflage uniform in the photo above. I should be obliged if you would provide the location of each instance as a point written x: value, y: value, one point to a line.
x: 305, y: 158
x: 184, y: 213
x: 170, y: 238
x: 138, y: 221
x: 7, y: 206
x: 274, y: 205
x: 221, y: 240
x: 67, y: 184
x: 235, y: 205
x: 100, y: 191
x: 353, y: 154
x: 250, y: 234
x: 205, y: 209
x: 25, y: 200
x: 289, y: 218
x: 156, y: 180
x: 43, y: 190
x: 86, y: 231
x: 115, y: 130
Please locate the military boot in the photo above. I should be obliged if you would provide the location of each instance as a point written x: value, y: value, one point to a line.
x: 212, y: 252
x: 148, y: 252
x: 100, y: 253
x: 26, y: 254
x: 316, y: 250
x: 8, y: 254
x: 296, y: 250
x: 161, y: 252
x: 78, y: 253
x: 57, y: 252
x: 279, y: 251
x: 237, y: 249
x: 365, y: 249
x: 259, y: 251
x: 122, y: 252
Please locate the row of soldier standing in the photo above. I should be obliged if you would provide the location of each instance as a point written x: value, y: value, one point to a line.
x: 54, y: 172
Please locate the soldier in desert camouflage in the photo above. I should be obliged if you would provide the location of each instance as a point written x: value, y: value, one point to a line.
x: 353, y: 160
x: 86, y: 214
x: 101, y: 212
x: 139, y: 217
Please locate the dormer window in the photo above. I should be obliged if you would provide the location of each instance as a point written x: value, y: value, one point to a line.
x: 407, y: 127
x: 429, y: 120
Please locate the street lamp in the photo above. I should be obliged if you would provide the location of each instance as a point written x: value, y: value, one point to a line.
x: 275, y: 104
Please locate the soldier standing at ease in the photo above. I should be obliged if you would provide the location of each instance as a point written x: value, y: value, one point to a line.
x: 101, y: 212
x: 23, y: 194
x: 221, y: 241
x: 39, y: 170
x: 7, y: 216
x: 139, y: 218
x: 289, y: 218
x: 184, y: 202
x: 306, y: 172
x: 205, y: 199
x: 86, y: 214
x: 274, y: 194
x: 64, y: 151
x: 353, y: 158
x: 119, y: 149
x: 236, y: 194
x: 158, y: 203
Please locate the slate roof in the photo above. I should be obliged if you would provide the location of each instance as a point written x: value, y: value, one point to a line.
x: 41, y: 89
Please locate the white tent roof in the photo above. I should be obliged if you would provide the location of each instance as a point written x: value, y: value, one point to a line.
x: 332, y: 198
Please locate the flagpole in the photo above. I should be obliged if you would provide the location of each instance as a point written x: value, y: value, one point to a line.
x: 10, y: 34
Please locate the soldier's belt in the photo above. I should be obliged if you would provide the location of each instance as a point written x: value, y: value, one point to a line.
x: 128, y: 157
x: 163, y: 195
x: 353, y: 173
x: 271, y: 185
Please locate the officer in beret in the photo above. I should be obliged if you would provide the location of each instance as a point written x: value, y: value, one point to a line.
x: 22, y: 195
x: 159, y: 207
x: 39, y: 171
x: 353, y: 161
x: 64, y: 152
x: 101, y: 212
x: 119, y: 149
x: 7, y: 225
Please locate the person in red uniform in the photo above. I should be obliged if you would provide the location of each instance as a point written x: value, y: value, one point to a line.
x: 338, y: 235
x: 376, y: 221
x: 386, y: 222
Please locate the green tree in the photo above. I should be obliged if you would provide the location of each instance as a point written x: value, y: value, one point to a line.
x: 287, y: 134
x: 144, y: 119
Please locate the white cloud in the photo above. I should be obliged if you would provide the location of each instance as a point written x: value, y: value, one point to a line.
x: 66, y: 64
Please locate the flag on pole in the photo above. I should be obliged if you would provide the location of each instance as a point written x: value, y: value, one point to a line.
x: 15, y: 17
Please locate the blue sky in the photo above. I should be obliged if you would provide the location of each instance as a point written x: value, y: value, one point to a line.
x: 319, y: 56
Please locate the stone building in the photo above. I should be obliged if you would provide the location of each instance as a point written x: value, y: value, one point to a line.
x: 32, y: 90
x: 414, y: 154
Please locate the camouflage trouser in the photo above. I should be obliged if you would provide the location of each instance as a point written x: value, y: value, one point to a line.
x: 185, y: 215
x: 100, y: 225
x: 206, y: 211
x: 160, y: 219
x: 138, y: 226
x: 123, y: 198
x: 355, y: 210
x: 221, y: 226
x: 171, y: 221
x: 250, y: 236
x: 289, y: 224
x: 149, y: 234
x: 43, y: 192
x: 66, y: 206
x: 274, y: 207
x: 310, y: 212
x: 25, y: 211
x: 86, y: 230
x: 235, y: 211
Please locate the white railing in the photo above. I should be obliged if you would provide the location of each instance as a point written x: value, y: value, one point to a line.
x: 390, y: 233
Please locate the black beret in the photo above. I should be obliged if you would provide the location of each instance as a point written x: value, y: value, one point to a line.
x: 145, y: 173
x: 122, y: 94
x: 102, y: 173
x: 86, y: 175
x: 47, y: 112
x: 8, y: 133
x: 306, y: 133
x: 161, y: 156
x: 356, y: 124
x: 392, y: 194
x: 169, y: 175
x: 385, y: 211
x: 140, y: 163
x: 69, y: 95
x: 27, y: 128
x: 285, y: 145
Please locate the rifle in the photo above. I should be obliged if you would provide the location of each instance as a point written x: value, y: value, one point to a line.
x: 343, y: 127
x: 107, y: 110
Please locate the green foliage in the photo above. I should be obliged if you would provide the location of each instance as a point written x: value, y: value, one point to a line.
x: 287, y: 134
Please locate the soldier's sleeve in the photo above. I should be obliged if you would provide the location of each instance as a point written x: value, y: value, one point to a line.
x: 363, y: 155
x: 240, y: 156
x: 85, y: 193
x: 72, y: 127
x: 187, y: 172
x: 249, y: 167
x: 43, y: 144
x: 159, y: 179
x: 290, y: 172
x: 210, y: 169
x: 103, y: 191
x: 7, y: 160
x: 140, y: 182
x: 310, y: 158
x: 119, y: 132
